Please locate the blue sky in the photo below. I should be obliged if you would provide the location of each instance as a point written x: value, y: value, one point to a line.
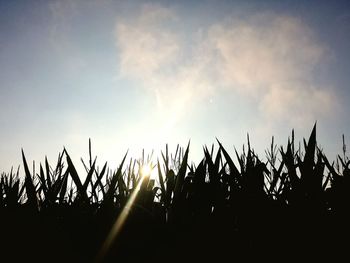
x: 139, y: 74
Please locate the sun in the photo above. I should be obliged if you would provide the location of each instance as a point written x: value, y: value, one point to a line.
x: 147, y: 170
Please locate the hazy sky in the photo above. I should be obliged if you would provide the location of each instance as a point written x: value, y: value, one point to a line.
x: 138, y: 74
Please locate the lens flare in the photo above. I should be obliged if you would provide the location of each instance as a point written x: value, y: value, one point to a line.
x: 145, y: 172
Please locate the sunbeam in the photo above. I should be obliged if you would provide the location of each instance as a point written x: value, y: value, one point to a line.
x: 145, y: 172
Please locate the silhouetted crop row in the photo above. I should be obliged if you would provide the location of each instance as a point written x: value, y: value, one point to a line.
x: 295, y: 202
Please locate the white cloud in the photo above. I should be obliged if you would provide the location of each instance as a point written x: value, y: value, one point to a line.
x: 152, y: 52
x: 270, y: 59
x: 300, y: 105
x: 146, y: 45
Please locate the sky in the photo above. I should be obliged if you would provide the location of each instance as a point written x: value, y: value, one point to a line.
x: 135, y: 75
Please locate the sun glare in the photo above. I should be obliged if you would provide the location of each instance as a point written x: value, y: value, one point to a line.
x: 146, y: 170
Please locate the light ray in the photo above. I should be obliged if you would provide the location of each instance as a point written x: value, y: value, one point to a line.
x: 118, y: 225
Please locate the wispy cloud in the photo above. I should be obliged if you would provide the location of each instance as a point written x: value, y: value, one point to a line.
x: 153, y: 53
x: 146, y: 44
x: 268, y: 58
x: 272, y: 59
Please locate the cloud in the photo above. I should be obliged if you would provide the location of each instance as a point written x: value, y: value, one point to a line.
x: 272, y: 59
x: 270, y: 49
x: 268, y: 58
x: 145, y: 43
x: 154, y: 54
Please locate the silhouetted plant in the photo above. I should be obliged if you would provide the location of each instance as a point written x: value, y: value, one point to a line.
x: 249, y: 202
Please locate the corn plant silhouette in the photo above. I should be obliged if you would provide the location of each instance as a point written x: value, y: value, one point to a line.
x: 242, y: 208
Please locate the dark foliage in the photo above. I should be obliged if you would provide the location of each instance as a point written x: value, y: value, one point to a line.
x: 294, y: 205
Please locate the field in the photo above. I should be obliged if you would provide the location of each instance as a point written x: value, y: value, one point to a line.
x: 293, y: 204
